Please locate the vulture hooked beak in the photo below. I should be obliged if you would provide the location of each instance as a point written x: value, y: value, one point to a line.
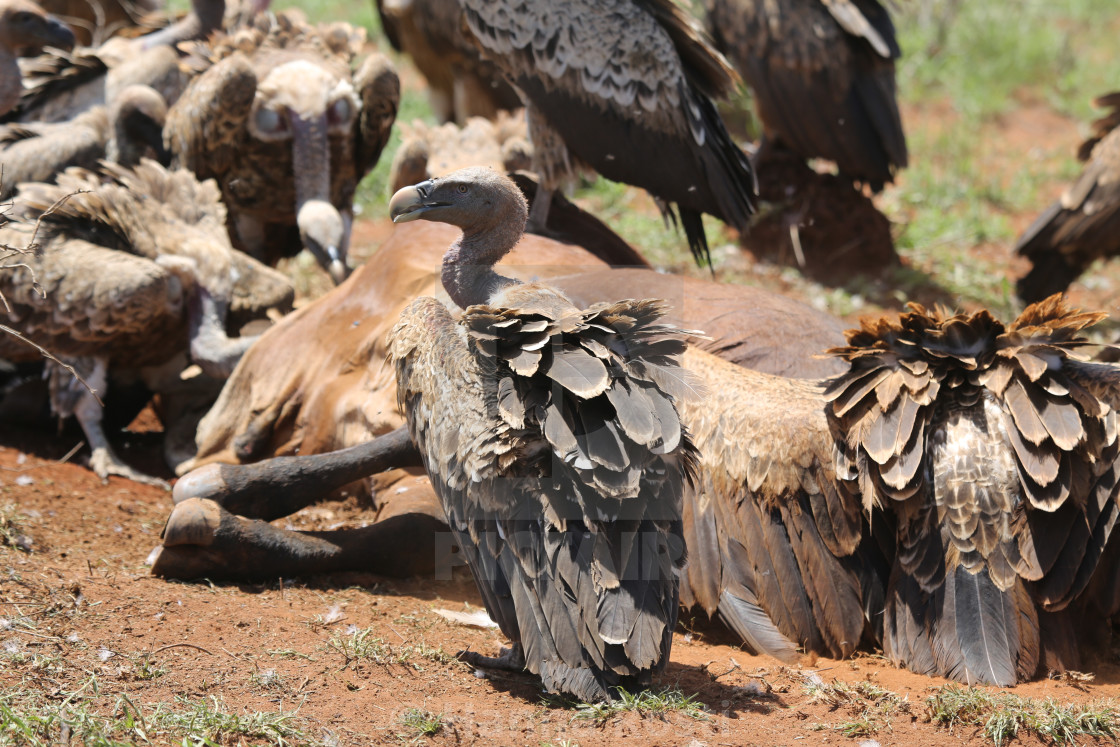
x: 410, y: 203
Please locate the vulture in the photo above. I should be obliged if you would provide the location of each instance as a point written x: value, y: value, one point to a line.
x: 126, y: 132
x: 991, y: 449
x: 624, y: 87
x: 550, y: 435
x: 133, y: 270
x: 25, y: 29
x: 461, y: 84
x: 822, y: 74
x: 1084, y: 224
x: 287, y: 129
x: 59, y: 86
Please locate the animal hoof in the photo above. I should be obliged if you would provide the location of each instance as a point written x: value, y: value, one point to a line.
x: 193, y: 522
x: 204, y: 482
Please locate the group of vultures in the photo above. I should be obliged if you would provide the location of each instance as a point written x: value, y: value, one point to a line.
x: 509, y: 381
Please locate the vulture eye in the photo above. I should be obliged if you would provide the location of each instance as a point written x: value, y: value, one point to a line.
x: 462, y: 189
x: 269, y: 122
x: 22, y: 17
x: 340, y: 114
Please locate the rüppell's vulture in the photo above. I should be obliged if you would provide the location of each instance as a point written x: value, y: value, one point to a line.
x: 822, y: 74
x: 134, y: 268
x: 1084, y: 223
x: 625, y: 87
x: 287, y: 128
x: 123, y: 133
x: 551, y: 437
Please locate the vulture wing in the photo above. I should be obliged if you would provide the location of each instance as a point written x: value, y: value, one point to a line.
x: 1083, y: 225
x: 822, y: 72
x: 624, y: 85
x: 773, y: 534
x: 559, y: 458
x: 995, y: 458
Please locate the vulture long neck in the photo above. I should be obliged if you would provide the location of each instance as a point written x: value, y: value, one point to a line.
x: 205, y: 16
x: 468, y: 266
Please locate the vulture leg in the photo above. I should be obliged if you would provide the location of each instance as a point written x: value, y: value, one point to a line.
x: 70, y: 397
x: 511, y: 659
x: 215, y: 352
x: 202, y: 539
x: 553, y: 163
x: 281, y: 486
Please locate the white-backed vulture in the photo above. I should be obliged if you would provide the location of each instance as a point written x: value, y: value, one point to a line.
x: 25, y: 29
x: 130, y: 129
x: 549, y: 433
x: 822, y: 74
x: 287, y: 129
x: 134, y: 269
x: 1084, y: 223
x: 625, y: 87
x: 461, y: 84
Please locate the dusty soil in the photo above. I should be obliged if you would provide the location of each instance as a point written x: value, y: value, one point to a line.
x: 80, y: 607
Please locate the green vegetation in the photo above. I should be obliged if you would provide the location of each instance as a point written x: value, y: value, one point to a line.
x: 659, y: 703
x: 872, y: 707
x: 33, y: 720
x: 420, y: 724
x: 1002, y: 717
x: 363, y: 645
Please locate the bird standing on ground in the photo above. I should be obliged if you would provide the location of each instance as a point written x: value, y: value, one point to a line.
x: 1084, y: 224
x: 625, y: 87
x: 822, y: 74
x: 134, y: 268
x: 550, y: 434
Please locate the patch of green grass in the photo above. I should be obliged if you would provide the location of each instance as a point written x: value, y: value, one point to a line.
x: 363, y: 645
x: 872, y: 707
x: 982, y: 55
x: 1001, y: 717
x: 420, y: 724
x: 645, y: 703
x: 31, y: 719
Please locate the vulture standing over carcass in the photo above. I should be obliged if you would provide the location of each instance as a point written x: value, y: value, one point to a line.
x: 287, y: 129
x: 130, y: 129
x: 550, y: 434
x: 461, y: 84
x: 625, y: 87
x: 822, y: 74
x: 25, y: 29
x: 1084, y: 224
x: 134, y: 268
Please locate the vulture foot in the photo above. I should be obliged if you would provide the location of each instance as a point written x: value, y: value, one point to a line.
x: 511, y: 659
x: 104, y: 463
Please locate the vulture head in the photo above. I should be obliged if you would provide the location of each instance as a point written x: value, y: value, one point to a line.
x: 476, y: 199
x: 492, y: 212
x: 138, y: 115
x: 25, y: 29
x: 302, y: 105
